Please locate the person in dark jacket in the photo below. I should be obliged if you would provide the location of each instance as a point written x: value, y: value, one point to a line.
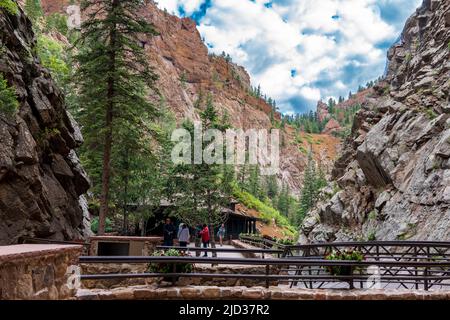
x: 169, y: 233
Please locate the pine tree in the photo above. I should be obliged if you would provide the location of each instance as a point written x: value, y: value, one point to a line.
x: 33, y: 9
x: 114, y: 79
x: 283, y: 200
x: 311, y: 185
x: 200, y: 191
x: 272, y: 187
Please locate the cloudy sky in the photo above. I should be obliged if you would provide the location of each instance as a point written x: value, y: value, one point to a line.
x: 301, y: 51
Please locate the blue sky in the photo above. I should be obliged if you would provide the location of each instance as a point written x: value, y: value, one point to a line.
x: 301, y: 51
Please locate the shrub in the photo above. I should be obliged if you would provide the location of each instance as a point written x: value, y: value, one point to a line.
x: 94, y: 225
x: 9, y: 6
x: 372, y: 236
x: 53, y: 57
x: 8, y: 98
x: 164, y: 267
x: 347, y: 255
x: 58, y: 22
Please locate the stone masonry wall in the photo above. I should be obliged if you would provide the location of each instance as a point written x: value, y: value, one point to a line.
x: 183, y: 281
x: 37, y: 272
x: 255, y: 293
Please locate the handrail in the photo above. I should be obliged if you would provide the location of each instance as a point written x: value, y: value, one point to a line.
x: 402, y: 243
x: 257, y: 261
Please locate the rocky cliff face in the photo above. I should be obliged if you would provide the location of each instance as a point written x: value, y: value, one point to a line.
x: 392, y: 180
x: 41, y: 180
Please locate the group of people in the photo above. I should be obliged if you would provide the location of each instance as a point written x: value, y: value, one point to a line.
x: 184, y: 235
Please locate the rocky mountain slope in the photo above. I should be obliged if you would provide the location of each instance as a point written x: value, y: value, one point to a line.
x: 392, y: 180
x: 188, y: 74
x: 41, y: 179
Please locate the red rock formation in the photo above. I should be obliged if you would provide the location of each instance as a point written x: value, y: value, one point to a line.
x: 322, y: 111
x: 332, y: 126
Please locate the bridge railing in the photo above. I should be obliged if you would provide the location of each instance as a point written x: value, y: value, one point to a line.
x: 377, y: 250
x: 418, y: 274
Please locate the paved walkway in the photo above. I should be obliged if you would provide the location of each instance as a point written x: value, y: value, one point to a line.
x: 220, y: 254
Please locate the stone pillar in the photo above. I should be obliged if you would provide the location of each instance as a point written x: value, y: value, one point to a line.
x: 37, y: 271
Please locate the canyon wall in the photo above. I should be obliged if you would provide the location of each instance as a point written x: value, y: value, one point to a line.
x: 41, y: 179
x: 392, y: 180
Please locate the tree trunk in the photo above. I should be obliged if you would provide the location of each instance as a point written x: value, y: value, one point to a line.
x: 104, y: 200
x: 106, y: 172
x: 125, y: 196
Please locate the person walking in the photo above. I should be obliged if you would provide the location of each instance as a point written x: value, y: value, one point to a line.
x: 205, y: 238
x: 221, y: 234
x: 183, y: 235
x: 169, y: 233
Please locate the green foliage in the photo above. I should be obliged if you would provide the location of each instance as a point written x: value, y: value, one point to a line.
x: 94, y: 225
x: 372, y: 215
x: 164, y: 267
x: 53, y: 56
x: 8, y: 98
x: 408, y: 57
x: 285, y: 241
x: 346, y: 255
x: 372, y: 236
x: 58, y: 22
x: 313, y: 181
x: 430, y: 113
x: 9, y: 6
x: 113, y: 82
x: 183, y: 79
x: 267, y: 212
x: 199, y: 191
x: 33, y: 9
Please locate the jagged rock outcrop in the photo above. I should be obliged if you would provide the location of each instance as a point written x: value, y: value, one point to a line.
x: 392, y: 180
x: 322, y: 111
x: 41, y: 180
x: 331, y: 127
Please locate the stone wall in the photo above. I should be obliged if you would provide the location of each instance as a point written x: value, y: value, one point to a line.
x: 255, y: 293
x: 37, y: 271
x: 183, y: 281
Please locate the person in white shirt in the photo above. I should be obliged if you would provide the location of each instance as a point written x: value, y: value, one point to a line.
x: 183, y: 235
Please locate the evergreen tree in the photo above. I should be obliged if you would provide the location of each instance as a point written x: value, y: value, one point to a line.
x: 312, y: 184
x: 33, y: 9
x: 284, y: 201
x: 113, y: 79
x: 200, y: 191
x: 272, y: 187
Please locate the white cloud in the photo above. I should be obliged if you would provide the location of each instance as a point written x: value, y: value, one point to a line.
x: 172, y: 6
x: 333, y: 45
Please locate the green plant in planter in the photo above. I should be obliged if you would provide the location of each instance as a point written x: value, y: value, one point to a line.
x: 348, y: 255
x: 164, y: 267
